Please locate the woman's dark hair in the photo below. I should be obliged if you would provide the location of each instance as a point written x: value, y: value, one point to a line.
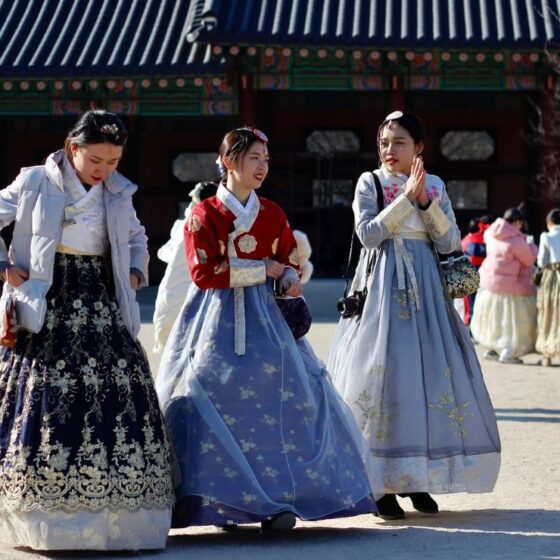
x: 488, y: 219
x: 473, y: 225
x: 96, y: 127
x: 207, y: 189
x: 512, y: 215
x: 553, y: 217
x: 409, y: 121
x: 236, y: 143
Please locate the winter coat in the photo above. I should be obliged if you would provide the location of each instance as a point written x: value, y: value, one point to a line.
x: 474, y: 247
x: 36, y: 201
x: 509, y: 259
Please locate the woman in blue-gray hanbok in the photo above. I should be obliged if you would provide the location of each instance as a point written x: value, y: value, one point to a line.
x: 258, y: 430
x: 407, y: 366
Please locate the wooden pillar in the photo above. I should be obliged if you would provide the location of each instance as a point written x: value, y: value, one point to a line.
x: 397, y: 94
x: 248, y: 99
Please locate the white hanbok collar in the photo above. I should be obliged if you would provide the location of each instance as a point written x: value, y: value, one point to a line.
x: 245, y: 215
x: 81, y: 200
x: 388, y: 175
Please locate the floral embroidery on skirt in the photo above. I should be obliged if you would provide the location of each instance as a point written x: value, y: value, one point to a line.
x: 80, y: 424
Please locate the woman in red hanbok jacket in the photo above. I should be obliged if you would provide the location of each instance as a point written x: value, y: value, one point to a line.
x: 259, y: 432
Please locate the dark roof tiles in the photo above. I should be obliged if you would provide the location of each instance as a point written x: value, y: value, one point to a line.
x: 378, y: 23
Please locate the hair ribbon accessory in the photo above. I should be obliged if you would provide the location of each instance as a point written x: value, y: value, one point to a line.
x: 394, y: 116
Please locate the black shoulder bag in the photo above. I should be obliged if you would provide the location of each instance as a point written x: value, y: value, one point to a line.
x: 352, y: 305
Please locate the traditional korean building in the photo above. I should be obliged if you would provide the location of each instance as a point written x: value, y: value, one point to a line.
x: 317, y: 75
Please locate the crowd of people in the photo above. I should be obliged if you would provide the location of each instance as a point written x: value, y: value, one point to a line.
x: 243, y: 423
x: 516, y: 311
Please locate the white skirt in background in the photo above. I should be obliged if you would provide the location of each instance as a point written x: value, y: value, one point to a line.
x: 505, y: 322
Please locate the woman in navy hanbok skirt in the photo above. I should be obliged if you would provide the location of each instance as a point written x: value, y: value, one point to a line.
x: 259, y: 432
x: 85, y: 463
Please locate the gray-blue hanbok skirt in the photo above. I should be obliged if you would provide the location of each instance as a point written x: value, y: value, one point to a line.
x: 257, y: 434
x: 409, y: 372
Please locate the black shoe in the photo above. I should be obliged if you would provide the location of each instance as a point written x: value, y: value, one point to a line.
x: 228, y: 527
x: 280, y: 524
x: 422, y: 501
x: 388, y: 508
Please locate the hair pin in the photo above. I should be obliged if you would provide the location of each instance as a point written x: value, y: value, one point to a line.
x: 111, y: 129
x: 394, y: 116
x: 221, y: 166
x: 260, y: 135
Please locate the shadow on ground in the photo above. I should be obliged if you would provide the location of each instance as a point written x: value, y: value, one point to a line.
x: 489, y: 534
x: 545, y: 415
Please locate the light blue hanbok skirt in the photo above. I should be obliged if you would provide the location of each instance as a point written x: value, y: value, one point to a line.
x: 256, y: 434
x: 409, y: 372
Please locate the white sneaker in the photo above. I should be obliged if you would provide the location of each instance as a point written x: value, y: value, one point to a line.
x: 510, y: 361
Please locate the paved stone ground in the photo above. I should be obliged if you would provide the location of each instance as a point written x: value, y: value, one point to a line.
x: 520, y: 519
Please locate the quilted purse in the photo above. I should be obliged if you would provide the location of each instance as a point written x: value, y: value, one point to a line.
x: 460, y: 276
x: 295, y: 312
x: 8, y: 321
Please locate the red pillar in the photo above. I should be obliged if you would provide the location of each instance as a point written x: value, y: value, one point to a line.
x: 248, y: 99
x: 397, y: 94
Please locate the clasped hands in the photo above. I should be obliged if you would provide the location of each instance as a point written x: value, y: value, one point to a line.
x: 415, y: 187
x: 290, y: 286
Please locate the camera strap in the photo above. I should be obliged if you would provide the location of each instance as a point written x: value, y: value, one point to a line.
x: 371, y: 261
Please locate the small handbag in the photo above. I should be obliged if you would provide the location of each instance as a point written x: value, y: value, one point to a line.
x: 351, y: 305
x: 295, y: 311
x: 460, y: 276
x: 537, y: 277
x: 8, y: 321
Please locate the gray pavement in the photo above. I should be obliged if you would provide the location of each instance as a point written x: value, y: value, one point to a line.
x: 520, y: 519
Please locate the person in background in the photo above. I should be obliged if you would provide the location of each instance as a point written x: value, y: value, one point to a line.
x: 304, y: 253
x: 177, y: 278
x: 548, y: 295
x: 84, y: 457
x: 474, y: 247
x: 504, y: 319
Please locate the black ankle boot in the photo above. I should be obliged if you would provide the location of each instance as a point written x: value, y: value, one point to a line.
x: 422, y: 501
x: 228, y: 527
x: 279, y: 524
x: 388, y: 508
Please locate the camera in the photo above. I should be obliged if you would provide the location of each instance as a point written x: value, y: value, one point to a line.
x: 352, y: 305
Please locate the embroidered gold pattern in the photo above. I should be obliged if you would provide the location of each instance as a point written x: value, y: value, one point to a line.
x: 275, y: 245
x: 456, y: 412
x: 247, y: 243
x: 375, y: 416
x: 221, y: 247
x: 436, y: 221
x: 221, y: 267
x: 405, y: 299
x: 201, y: 255
x: 194, y: 224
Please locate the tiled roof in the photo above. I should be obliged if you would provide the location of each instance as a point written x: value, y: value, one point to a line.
x: 55, y: 38
x: 521, y: 24
x: 98, y: 38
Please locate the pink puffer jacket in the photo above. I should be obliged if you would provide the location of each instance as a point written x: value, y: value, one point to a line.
x: 509, y: 258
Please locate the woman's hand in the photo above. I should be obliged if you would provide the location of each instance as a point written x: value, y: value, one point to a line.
x: 134, y: 281
x: 415, y: 188
x: 292, y: 288
x: 15, y: 276
x: 273, y: 268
